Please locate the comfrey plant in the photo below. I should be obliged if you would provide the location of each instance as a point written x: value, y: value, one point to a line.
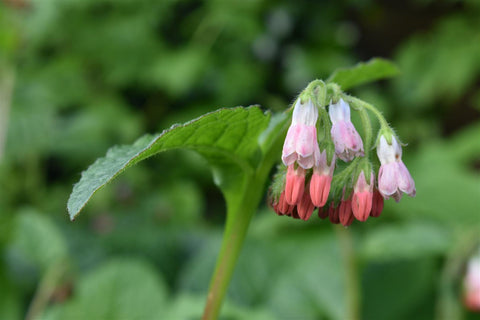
x: 323, y: 162
x: 305, y: 179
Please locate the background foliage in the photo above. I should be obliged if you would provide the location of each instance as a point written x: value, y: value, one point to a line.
x: 90, y: 74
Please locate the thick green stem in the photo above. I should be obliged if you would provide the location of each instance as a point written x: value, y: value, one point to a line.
x: 351, y: 276
x: 238, y: 220
x: 235, y: 231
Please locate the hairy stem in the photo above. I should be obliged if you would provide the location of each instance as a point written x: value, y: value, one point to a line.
x: 351, y: 273
x: 360, y: 104
x: 367, y: 127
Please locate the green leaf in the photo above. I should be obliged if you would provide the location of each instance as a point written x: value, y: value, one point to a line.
x: 120, y: 289
x: 364, y: 72
x: 227, y: 138
x: 38, y: 239
x: 314, y: 287
x: 411, y: 240
x: 400, y: 289
x: 188, y: 306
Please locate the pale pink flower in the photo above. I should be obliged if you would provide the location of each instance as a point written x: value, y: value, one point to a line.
x: 301, y: 141
x: 362, y: 197
x: 348, y: 143
x: 393, y: 176
x: 321, y: 179
x: 472, y: 285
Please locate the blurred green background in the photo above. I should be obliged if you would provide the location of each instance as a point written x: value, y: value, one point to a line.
x: 78, y: 76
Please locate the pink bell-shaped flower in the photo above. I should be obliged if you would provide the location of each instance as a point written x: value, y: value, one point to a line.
x: 305, y: 207
x: 321, y: 179
x: 301, y: 141
x: 393, y: 176
x: 294, y: 185
x: 345, y: 215
x: 362, y: 197
x: 348, y: 142
x: 377, y: 204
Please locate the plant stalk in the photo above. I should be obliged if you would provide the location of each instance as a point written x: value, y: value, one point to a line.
x: 236, y: 228
x: 238, y: 220
x: 351, y: 272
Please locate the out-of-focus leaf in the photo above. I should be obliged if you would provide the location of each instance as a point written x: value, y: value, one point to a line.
x: 254, y: 272
x: 10, y: 307
x: 227, y: 138
x: 38, y: 239
x: 364, y: 72
x: 398, y: 290
x: 188, y: 306
x: 120, y: 289
x: 314, y: 287
x: 410, y: 240
x: 178, y: 71
x: 451, y: 49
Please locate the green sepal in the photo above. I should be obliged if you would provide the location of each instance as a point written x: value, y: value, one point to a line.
x: 278, y: 183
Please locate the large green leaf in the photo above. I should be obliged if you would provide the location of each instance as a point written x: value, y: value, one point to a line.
x: 405, y: 241
x: 364, y: 72
x: 227, y: 138
x: 38, y: 239
x: 315, y: 285
x: 120, y: 289
x: 189, y: 306
x: 399, y: 289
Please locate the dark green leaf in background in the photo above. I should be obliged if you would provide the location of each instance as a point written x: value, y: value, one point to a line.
x: 38, y: 239
x: 364, y: 72
x: 411, y: 240
x: 120, y: 289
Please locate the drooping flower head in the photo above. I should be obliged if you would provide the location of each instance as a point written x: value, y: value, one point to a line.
x: 393, y: 176
x: 301, y: 144
x: 348, y: 142
x: 305, y: 181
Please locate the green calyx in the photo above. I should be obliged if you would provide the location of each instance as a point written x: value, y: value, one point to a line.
x: 387, y: 132
x: 278, y: 182
x: 366, y: 166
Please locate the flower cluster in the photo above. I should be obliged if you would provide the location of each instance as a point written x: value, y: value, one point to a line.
x: 307, y: 181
